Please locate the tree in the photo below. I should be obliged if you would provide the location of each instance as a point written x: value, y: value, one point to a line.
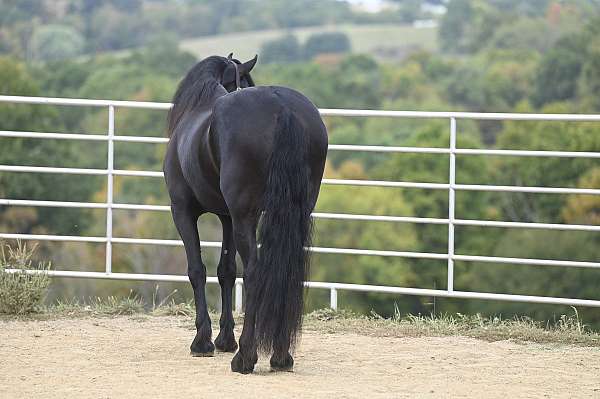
x: 542, y: 171
x: 54, y: 42
x: 434, y: 203
x: 12, y: 11
x: 570, y: 282
x: 283, y: 50
x: 363, y: 235
x: 305, y: 12
x: 114, y: 30
x: 465, y: 87
x: 584, y: 209
x: 326, y: 42
x: 530, y: 8
x: 435, y: 168
x: 525, y: 33
x: 590, y: 71
x: 507, y: 82
x: 559, y: 70
x: 14, y: 80
x: 468, y: 25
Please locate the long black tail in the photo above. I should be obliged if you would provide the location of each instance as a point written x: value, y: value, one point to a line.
x: 285, y: 230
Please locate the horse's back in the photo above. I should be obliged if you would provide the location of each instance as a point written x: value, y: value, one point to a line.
x: 251, y: 115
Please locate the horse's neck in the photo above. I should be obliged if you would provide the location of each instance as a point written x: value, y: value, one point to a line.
x: 195, y: 113
x: 195, y: 122
x: 193, y: 143
x: 213, y: 89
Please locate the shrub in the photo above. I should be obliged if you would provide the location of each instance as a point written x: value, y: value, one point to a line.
x: 285, y: 49
x: 21, y: 292
x: 326, y: 43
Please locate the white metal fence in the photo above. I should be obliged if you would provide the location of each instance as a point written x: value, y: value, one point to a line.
x: 451, y: 187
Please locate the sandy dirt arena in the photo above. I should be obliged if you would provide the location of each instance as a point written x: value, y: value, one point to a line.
x: 131, y: 357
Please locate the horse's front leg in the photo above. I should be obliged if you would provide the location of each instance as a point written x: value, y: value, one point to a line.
x: 225, y: 341
x: 245, y: 241
x: 186, y: 219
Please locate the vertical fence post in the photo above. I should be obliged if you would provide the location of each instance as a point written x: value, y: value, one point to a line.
x: 333, y: 299
x: 109, y: 188
x: 239, y: 295
x: 451, y: 203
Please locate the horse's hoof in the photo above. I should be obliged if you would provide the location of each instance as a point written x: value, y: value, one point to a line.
x: 230, y: 346
x: 226, y: 343
x: 238, y: 366
x: 286, y: 364
x: 202, y: 349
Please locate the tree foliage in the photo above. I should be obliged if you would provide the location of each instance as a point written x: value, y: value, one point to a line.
x: 283, y: 50
x: 287, y: 49
x: 19, y: 151
x: 326, y: 43
x: 52, y: 42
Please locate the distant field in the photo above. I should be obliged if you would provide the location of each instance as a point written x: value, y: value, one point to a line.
x: 382, y: 40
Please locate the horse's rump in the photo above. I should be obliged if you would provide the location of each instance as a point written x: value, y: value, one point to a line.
x: 245, y: 124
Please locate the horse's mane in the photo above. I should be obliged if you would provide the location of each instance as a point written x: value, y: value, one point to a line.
x: 198, y: 86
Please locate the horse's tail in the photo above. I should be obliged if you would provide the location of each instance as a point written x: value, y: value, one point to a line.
x: 284, y: 232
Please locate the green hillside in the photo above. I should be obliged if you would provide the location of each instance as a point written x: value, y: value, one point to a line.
x: 381, y: 40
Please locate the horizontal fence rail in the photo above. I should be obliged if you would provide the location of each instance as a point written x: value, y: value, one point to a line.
x: 451, y: 187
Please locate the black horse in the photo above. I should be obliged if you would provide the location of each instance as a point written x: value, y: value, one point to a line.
x: 246, y: 155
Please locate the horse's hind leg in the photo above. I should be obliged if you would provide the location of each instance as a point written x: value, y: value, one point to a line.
x: 245, y: 241
x: 225, y: 341
x: 186, y: 218
x: 281, y: 360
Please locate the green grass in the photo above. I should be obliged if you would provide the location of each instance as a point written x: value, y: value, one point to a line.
x: 380, y: 40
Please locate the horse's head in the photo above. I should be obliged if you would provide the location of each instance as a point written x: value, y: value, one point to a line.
x: 235, y: 69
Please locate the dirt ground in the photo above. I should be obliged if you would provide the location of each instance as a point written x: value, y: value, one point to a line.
x: 131, y: 357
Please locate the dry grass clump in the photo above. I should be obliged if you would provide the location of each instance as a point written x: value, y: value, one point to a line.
x: 168, y: 307
x: 21, y: 292
x: 568, y: 329
x: 132, y: 304
x: 109, y: 306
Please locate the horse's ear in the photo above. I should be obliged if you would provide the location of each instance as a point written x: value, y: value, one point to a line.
x: 230, y: 56
x: 247, y: 66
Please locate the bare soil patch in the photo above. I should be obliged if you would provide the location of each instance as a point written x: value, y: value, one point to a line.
x: 136, y: 356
